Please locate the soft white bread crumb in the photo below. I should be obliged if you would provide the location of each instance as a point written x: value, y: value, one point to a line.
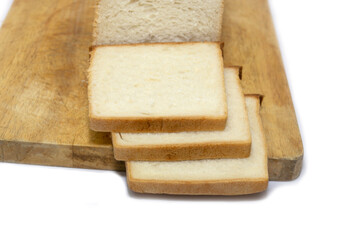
x: 233, y: 142
x: 137, y: 21
x: 163, y: 87
x: 207, y: 177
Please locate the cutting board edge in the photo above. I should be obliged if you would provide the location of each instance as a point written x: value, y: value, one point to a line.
x: 59, y: 155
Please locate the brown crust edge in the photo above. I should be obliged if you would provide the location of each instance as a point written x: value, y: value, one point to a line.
x: 180, y: 152
x: 221, y: 20
x: 155, y: 124
x: 212, y: 187
x: 95, y: 24
x: 259, y: 99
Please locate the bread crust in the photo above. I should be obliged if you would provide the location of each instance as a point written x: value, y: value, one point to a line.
x: 181, y: 152
x: 222, y: 7
x: 227, y: 188
x: 239, y: 186
x: 155, y: 124
x: 95, y: 24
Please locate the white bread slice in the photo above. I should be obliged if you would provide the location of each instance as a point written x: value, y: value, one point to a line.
x: 138, y: 21
x: 207, y: 177
x: 233, y: 142
x: 162, y: 87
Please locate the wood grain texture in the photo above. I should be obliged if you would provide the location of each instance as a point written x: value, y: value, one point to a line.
x: 44, y: 109
x: 250, y: 42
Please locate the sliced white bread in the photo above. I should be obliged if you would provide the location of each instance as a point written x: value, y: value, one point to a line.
x: 233, y: 142
x: 207, y: 177
x: 163, y: 87
x: 139, y: 21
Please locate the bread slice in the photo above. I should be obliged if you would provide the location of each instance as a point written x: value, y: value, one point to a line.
x: 207, y: 177
x: 233, y: 142
x: 139, y: 21
x: 162, y: 87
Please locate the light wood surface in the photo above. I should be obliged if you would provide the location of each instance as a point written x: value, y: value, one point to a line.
x: 250, y: 42
x: 43, y: 107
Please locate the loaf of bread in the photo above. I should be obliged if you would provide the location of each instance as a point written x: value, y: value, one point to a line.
x: 163, y: 87
x: 207, y: 177
x: 139, y: 21
x: 233, y: 142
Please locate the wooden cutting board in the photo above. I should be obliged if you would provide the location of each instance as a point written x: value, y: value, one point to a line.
x: 43, y: 107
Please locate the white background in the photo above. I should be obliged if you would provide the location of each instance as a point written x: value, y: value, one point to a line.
x: 59, y: 203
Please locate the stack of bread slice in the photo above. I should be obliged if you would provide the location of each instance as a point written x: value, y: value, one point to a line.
x: 178, y: 118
